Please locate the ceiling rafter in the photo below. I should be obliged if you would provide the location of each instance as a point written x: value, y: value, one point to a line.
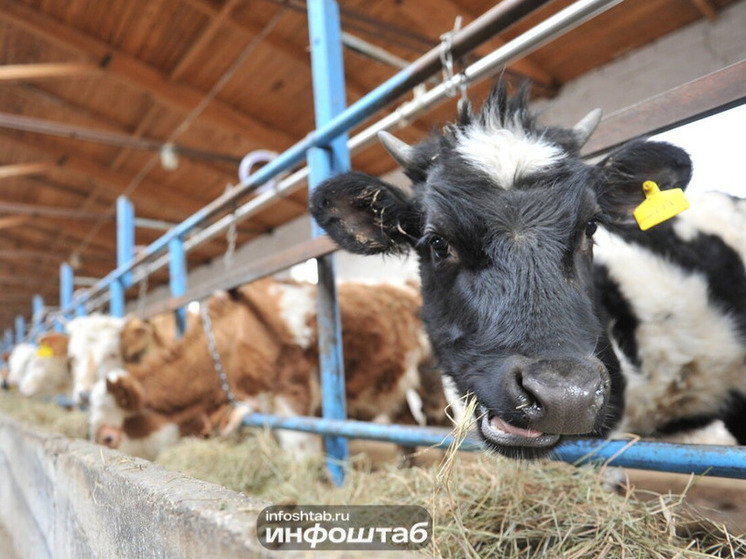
x: 706, y: 8
x: 141, y: 75
x: 18, y: 72
x: 26, y: 169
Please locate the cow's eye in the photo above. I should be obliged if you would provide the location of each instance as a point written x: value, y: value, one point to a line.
x: 438, y: 247
x: 590, y: 228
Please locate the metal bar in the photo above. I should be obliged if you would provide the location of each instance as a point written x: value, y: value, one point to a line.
x: 490, y: 23
x: 116, y: 301
x: 125, y: 236
x: 153, y: 223
x: 8, y: 339
x: 37, y: 312
x: 20, y: 329
x: 246, y: 273
x: 404, y: 435
x: 713, y: 460
x: 561, y: 23
x: 715, y: 92
x: 51, y: 128
x: 324, y: 162
x: 178, y: 280
x: 67, y: 282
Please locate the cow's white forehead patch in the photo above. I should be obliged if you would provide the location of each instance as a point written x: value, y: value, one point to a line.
x: 506, y: 154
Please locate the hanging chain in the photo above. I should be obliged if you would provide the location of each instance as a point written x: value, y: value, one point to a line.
x: 142, y: 291
x: 212, y: 346
x: 230, y: 251
x: 446, y: 57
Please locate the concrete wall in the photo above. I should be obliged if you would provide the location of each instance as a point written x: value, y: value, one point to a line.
x: 62, y: 498
x: 689, y: 53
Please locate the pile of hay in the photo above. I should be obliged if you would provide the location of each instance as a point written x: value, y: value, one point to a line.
x: 482, y: 506
x: 48, y: 416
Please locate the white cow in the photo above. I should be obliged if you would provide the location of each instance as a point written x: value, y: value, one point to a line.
x: 18, y: 362
x: 93, y: 350
x: 48, y: 370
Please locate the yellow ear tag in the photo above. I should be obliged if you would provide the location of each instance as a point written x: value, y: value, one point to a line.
x: 659, y: 205
x: 45, y: 351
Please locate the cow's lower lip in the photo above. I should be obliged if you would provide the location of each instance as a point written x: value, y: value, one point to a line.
x: 498, y: 432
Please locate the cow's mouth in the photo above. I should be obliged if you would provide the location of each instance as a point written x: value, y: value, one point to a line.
x: 502, y: 434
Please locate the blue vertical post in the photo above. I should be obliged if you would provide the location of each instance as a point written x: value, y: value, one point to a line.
x: 125, y: 252
x: 177, y: 267
x: 37, y: 312
x: 66, y: 294
x: 20, y: 329
x: 325, y: 161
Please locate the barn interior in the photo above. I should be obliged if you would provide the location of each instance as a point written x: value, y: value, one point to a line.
x: 160, y: 101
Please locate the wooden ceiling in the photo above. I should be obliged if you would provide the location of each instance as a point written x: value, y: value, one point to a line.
x: 222, y: 77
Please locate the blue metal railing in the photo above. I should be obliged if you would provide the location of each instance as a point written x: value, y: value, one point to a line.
x: 325, y: 153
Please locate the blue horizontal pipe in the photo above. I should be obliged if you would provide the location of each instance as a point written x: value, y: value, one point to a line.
x: 713, y: 460
x: 368, y: 105
x: 404, y: 435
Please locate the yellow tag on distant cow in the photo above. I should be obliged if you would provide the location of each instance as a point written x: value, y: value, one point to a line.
x: 45, y: 351
x: 659, y: 205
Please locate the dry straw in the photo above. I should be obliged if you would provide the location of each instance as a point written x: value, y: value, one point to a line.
x: 482, y: 506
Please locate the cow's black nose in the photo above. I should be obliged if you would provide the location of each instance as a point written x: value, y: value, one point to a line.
x: 559, y: 396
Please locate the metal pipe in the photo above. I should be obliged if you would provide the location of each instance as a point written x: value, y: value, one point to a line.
x: 373, y: 51
x: 490, y: 23
x: 713, y: 460
x: 555, y: 26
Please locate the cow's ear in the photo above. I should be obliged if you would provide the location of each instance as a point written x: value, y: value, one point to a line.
x: 625, y: 170
x: 366, y: 215
x: 127, y: 392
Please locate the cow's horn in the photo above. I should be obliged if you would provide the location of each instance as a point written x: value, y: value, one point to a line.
x: 399, y: 150
x: 586, y: 126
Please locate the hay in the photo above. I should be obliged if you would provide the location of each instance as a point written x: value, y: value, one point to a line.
x: 482, y: 506
x: 46, y: 415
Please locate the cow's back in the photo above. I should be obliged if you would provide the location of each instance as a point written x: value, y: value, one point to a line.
x: 676, y: 300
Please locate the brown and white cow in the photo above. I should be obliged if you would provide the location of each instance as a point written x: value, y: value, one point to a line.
x: 266, y: 336
x: 140, y: 337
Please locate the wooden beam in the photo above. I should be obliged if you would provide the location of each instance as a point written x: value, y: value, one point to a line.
x: 196, y: 48
x: 135, y: 73
x: 17, y: 72
x: 710, y: 94
x: 13, y: 221
x: 25, y: 169
x: 51, y: 211
x: 707, y: 9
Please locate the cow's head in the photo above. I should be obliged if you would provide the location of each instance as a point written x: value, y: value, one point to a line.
x: 501, y: 214
x: 93, y: 350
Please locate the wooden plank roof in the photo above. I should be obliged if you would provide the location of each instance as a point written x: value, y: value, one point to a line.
x: 222, y: 77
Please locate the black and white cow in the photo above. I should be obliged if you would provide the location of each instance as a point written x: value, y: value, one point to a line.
x: 502, y: 214
x: 676, y: 301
